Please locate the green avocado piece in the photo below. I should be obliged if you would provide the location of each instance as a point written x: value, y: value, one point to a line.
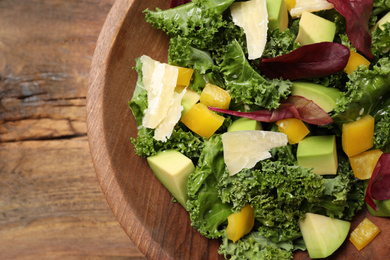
x: 315, y: 29
x: 189, y: 99
x: 172, y: 169
x: 324, y: 97
x: 277, y: 14
x: 323, y: 235
x: 319, y: 153
x: 243, y: 124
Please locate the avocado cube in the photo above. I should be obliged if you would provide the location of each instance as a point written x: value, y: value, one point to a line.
x: 243, y: 124
x: 189, y: 99
x: 319, y: 153
x: 172, y: 169
x: 277, y: 14
x: 323, y: 235
x: 315, y: 29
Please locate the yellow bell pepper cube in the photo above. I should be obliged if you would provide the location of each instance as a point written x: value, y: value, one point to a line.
x: 358, y: 136
x: 290, y: 4
x: 202, y: 121
x: 215, y: 96
x: 240, y: 224
x: 363, y: 164
x: 294, y: 128
x: 363, y: 234
x: 184, y: 76
x: 354, y: 61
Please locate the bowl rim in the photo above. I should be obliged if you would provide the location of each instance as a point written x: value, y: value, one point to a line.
x: 94, y: 117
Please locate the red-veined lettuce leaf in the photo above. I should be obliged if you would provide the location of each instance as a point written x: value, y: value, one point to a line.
x: 379, y: 186
x: 308, y: 61
x: 293, y: 107
x: 357, y: 13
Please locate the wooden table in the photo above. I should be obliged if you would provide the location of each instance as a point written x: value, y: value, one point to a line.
x: 51, y: 205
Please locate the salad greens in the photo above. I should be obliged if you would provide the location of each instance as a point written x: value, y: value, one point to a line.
x: 204, y: 37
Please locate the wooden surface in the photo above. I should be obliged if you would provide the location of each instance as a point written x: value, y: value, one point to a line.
x: 51, y: 204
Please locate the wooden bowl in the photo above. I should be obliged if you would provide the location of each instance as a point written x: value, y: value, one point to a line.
x: 160, y: 229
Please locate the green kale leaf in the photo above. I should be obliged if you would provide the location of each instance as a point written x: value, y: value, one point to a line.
x: 183, y: 141
x: 198, y: 20
x: 380, y: 6
x: 246, y: 85
x: 255, y: 246
x: 278, y: 193
x: 181, y: 53
x: 207, y: 211
x: 139, y: 101
x: 381, y: 41
x: 382, y: 126
x: 279, y: 43
x: 343, y: 195
x: 364, y: 88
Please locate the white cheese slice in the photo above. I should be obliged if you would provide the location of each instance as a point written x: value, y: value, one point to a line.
x: 252, y: 16
x: 309, y: 6
x: 243, y: 149
x: 164, y: 130
x: 159, y: 81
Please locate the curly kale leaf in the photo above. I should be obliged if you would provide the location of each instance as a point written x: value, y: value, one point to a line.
x: 380, y: 6
x: 255, y: 246
x: 382, y: 126
x: 381, y: 41
x: 343, y: 195
x: 364, y: 88
x: 285, y: 154
x: 246, y: 85
x: 198, y: 20
x: 207, y: 211
x: 230, y: 32
x: 277, y: 192
x: 279, y: 43
x: 382, y: 134
x: 181, y: 53
x: 183, y: 141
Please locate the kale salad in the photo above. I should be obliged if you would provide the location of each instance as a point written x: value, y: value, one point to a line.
x: 206, y: 36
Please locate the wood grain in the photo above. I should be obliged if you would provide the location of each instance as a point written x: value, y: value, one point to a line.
x: 51, y: 204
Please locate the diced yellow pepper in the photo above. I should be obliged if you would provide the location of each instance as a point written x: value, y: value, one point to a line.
x: 358, y: 136
x: 184, y: 77
x: 215, y: 96
x: 355, y: 60
x: 363, y: 164
x: 294, y: 128
x: 363, y: 234
x: 202, y: 121
x: 241, y: 223
x: 290, y: 4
